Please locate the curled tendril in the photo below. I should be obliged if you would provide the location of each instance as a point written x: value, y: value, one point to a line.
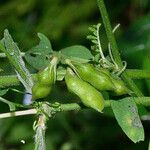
x: 116, y: 27
x: 117, y: 70
x: 104, y: 62
x: 123, y: 69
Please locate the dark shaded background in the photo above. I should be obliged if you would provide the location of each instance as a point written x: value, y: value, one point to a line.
x: 66, y: 23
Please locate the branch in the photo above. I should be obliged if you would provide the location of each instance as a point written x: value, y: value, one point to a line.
x: 115, y: 50
x: 11, y: 80
x: 138, y: 74
x: 18, y: 113
x: 109, y: 32
x: 63, y: 107
x: 145, y: 101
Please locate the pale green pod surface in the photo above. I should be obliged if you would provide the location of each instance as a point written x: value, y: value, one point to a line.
x: 89, y: 96
x: 103, y: 70
x: 46, y: 76
x: 98, y: 79
x: 40, y: 91
x: 120, y: 88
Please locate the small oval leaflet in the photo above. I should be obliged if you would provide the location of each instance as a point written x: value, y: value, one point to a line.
x: 77, y: 53
x: 126, y: 114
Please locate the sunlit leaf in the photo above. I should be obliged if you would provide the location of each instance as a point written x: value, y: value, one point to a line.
x: 77, y: 53
x: 10, y: 48
x: 3, y: 91
x: 126, y: 113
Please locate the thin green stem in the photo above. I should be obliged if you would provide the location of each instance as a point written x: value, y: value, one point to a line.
x: 6, y: 81
x: 63, y: 107
x: 115, y: 50
x: 138, y: 74
x: 132, y: 85
x: 109, y: 32
x: 145, y: 101
x: 69, y: 107
x: 12, y: 80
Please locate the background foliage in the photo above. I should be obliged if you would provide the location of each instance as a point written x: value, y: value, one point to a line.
x: 66, y: 23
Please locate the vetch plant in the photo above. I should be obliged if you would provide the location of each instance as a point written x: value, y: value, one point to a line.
x: 87, y: 74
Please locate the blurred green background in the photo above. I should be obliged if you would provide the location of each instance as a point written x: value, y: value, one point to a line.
x: 65, y: 23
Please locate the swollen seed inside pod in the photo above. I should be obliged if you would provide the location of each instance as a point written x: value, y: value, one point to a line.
x: 46, y: 77
x: 98, y: 79
x: 89, y: 96
x: 40, y: 91
x: 120, y: 88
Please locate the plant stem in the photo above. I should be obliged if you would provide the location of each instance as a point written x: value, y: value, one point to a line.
x: 39, y: 138
x: 18, y: 113
x: 6, y: 81
x: 132, y: 85
x: 63, y: 107
x: 69, y: 107
x: 115, y: 50
x: 109, y: 32
x: 138, y: 74
x: 12, y: 80
x: 145, y: 101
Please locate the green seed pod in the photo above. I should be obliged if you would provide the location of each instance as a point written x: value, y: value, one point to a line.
x: 88, y: 94
x: 104, y: 70
x: 46, y: 77
x: 98, y: 79
x: 40, y: 91
x: 120, y: 88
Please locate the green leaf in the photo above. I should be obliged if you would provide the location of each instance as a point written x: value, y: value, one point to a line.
x: 126, y: 113
x: 3, y: 91
x: 38, y: 56
x: 77, y: 53
x: 10, y: 48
